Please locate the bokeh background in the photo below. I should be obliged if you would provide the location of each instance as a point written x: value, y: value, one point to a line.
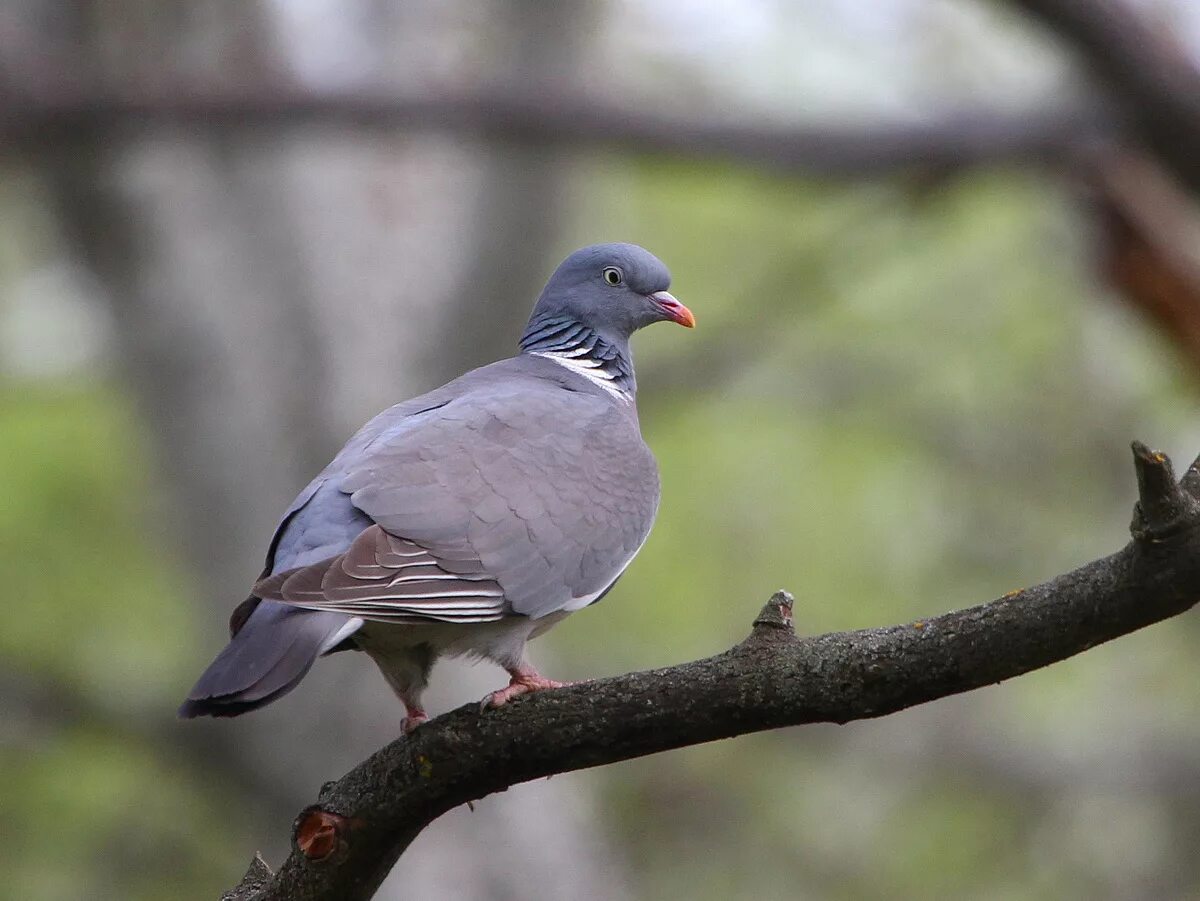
x: 943, y: 256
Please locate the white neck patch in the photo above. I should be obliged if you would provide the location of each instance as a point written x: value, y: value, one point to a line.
x: 585, y: 366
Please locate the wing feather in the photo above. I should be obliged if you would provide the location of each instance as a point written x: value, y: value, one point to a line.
x: 389, y: 579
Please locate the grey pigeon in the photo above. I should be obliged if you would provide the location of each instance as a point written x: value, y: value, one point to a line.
x: 472, y: 518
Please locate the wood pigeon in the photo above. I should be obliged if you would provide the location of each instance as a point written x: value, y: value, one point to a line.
x: 472, y: 518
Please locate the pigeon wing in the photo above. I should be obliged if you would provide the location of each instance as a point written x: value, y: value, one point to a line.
x: 549, y: 492
x: 514, y: 496
x: 388, y: 579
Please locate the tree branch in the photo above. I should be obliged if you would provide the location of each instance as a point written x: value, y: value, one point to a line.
x: 1149, y: 243
x: 1145, y: 69
x: 345, y: 844
x: 59, y: 114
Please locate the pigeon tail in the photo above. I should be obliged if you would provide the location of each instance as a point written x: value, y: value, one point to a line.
x: 266, y: 659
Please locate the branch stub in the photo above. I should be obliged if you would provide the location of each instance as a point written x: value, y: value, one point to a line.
x: 1163, y: 507
x: 776, y: 614
x: 321, y: 834
x: 257, y: 880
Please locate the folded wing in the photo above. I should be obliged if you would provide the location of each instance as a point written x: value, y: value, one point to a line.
x: 388, y: 579
x: 513, y: 497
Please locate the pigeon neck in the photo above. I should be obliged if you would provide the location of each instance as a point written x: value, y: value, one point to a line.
x: 583, y: 350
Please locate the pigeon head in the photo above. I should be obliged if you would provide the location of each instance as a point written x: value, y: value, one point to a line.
x: 596, y: 299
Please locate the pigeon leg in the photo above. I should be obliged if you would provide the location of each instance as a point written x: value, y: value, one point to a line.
x: 415, y: 715
x: 407, y: 672
x: 524, y: 679
x: 414, y: 710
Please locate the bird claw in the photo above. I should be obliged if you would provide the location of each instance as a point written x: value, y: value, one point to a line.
x: 521, y: 684
x: 414, y: 719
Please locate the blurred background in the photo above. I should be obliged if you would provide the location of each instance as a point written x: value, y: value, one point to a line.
x: 944, y: 256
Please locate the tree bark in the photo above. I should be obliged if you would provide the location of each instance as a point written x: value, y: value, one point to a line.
x: 345, y: 844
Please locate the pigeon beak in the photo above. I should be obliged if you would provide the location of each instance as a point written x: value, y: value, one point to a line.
x: 673, y: 309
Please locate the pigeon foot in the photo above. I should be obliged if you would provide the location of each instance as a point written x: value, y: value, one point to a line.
x: 524, y: 681
x: 416, y: 716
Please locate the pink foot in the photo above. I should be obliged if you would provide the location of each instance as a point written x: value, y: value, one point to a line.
x: 416, y: 716
x: 523, y: 682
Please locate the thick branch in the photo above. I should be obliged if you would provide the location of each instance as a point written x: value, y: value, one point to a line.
x: 562, y: 119
x: 346, y: 843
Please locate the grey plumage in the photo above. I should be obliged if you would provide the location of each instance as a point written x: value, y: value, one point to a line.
x: 471, y: 518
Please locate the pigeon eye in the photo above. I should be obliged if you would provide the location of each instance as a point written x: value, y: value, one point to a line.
x: 613, y: 275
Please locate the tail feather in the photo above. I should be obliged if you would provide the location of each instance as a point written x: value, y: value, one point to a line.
x: 265, y: 660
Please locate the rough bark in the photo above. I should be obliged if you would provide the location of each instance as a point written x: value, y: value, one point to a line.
x: 345, y: 844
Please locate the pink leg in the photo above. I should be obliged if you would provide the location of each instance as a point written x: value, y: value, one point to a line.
x: 415, y: 716
x: 524, y: 679
x: 408, y: 673
x: 414, y: 710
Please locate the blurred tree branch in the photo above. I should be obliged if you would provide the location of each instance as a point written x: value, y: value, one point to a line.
x: 345, y: 844
x: 1146, y: 70
x: 1148, y: 204
x: 1151, y: 245
x: 538, y: 116
x: 1151, y: 98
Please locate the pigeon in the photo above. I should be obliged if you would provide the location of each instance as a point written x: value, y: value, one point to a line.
x: 471, y: 519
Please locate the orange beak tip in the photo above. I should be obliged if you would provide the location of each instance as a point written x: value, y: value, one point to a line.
x: 674, y: 310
